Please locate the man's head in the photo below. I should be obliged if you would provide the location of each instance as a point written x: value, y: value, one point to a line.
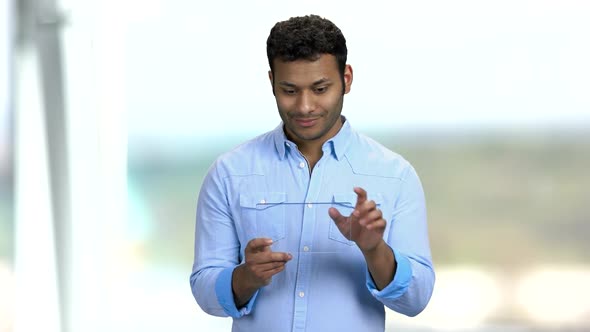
x: 309, y: 77
x: 306, y: 38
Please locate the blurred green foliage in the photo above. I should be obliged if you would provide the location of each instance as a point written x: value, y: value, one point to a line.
x: 506, y: 200
x: 503, y: 199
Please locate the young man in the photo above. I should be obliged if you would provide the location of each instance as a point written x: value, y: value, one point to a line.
x: 263, y: 254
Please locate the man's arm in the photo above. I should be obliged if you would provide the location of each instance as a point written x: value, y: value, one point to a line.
x: 217, y: 248
x: 400, y: 272
x: 381, y: 264
x: 413, y: 282
x: 221, y: 286
x: 366, y: 226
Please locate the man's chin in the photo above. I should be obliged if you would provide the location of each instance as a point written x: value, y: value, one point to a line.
x: 308, y: 137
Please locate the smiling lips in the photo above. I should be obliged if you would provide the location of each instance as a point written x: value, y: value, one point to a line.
x: 305, y: 122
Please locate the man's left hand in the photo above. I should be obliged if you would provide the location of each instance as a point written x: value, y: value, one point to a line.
x: 365, y: 226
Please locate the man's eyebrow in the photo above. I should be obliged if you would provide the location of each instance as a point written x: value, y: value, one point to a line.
x: 293, y: 85
x: 289, y: 84
x: 321, y: 81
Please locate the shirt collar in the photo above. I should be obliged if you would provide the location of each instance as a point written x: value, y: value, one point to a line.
x: 337, y: 144
x: 281, y: 141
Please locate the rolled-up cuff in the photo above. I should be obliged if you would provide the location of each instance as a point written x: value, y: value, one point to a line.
x: 225, y: 295
x: 400, y: 283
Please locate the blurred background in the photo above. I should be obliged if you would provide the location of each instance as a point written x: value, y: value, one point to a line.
x: 112, y: 111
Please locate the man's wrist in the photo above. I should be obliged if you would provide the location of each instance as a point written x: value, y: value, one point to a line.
x: 375, y: 251
x: 381, y: 264
x: 235, y: 287
x: 241, y: 290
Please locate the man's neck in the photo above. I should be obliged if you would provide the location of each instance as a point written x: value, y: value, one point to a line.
x: 311, y: 154
x: 312, y: 149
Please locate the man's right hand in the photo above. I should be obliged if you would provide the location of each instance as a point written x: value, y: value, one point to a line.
x: 257, y: 271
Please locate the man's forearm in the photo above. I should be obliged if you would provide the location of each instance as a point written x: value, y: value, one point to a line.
x: 381, y: 264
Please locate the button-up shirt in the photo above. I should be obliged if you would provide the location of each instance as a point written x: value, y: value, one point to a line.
x: 264, y: 188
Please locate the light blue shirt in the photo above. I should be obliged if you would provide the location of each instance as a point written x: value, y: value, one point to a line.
x: 326, y: 286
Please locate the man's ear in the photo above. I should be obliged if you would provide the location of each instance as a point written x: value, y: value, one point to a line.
x: 347, y: 78
x: 271, y: 79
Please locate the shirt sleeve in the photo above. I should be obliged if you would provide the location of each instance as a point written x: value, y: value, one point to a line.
x: 411, y: 288
x: 225, y: 295
x: 400, y: 282
x: 217, y: 250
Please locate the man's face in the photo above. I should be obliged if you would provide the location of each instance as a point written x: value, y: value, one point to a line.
x: 309, y: 97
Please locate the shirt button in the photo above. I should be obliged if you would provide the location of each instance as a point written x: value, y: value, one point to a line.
x: 301, y: 164
x: 262, y: 201
x: 301, y: 294
x: 309, y: 205
x: 305, y: 248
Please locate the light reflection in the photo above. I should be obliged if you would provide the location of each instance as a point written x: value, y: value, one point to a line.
x: 474, y: 298
x: 463, y: 297
x: 556, y: 295
x: 7, y: 297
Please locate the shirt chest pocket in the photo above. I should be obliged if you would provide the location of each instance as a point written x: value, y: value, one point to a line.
x: 263, y: 214
x: 345, y: 203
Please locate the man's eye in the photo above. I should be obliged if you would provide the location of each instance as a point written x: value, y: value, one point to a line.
x: 289, y: 92
x: 320, y: 90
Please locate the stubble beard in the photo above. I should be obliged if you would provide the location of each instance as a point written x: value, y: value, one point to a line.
x: 291, y: 129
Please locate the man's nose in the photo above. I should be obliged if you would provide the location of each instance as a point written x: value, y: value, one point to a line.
x: 306, y: 102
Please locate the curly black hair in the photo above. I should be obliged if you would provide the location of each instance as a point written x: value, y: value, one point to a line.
x: 306, y: 37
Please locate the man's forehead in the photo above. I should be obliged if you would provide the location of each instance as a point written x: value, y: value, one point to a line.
x: 323, y: 68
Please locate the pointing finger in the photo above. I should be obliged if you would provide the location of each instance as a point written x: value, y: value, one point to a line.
x: 361, y: 196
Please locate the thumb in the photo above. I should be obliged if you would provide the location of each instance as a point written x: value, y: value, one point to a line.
x: 342, y: 222
x: 336, y: 216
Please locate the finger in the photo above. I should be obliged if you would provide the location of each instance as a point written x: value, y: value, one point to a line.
x: 336, y: 216
x: 258, y: 244
x: 370, y: 216
x: 267, y: 276
x: 366, y: 209
x: 361, y: 196
x: 342, y: 223
x: 264, y: 268
x: 369, y: 205
x: 280, y: 257
x: 276, y: 270
x: 257, y: 258
x: 377, y: 224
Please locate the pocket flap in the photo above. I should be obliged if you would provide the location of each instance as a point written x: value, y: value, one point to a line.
x: 345, y: 199
x: 349, y: 199
x: 262, y: 200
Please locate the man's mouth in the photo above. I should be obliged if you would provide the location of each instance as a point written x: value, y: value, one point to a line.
x: 306, y: 122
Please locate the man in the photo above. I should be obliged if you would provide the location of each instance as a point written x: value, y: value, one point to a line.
x: 262, y: 254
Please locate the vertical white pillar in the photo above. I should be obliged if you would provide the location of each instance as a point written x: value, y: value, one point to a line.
x: 36, y: 300
x: 94, y: 54
x: 6, y: 101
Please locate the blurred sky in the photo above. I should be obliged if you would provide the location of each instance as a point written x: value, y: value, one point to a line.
x: 193, y: 70
x: 198, y: 70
